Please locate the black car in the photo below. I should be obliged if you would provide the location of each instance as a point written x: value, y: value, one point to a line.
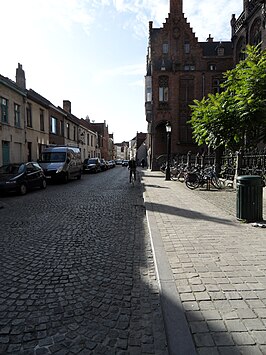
x: 91, y: 165
x: 104, y: 165
x: 21, y: 177
x: 125, y: 162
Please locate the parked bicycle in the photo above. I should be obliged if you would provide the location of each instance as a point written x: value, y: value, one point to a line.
x: 200, y: 177
x: 173, y: 170
x: 182, y: 171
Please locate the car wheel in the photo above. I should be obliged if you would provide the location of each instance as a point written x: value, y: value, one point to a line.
x: 79, y: 176
x: 23, y: 189
x: 43, y: 184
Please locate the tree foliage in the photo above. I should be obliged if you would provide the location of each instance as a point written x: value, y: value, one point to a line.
x: 237, y: 116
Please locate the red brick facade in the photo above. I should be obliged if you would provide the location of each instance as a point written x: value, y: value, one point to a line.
x: 103, y: 139
x: 179, y: 70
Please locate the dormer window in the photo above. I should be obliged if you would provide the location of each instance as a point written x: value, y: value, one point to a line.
x: 220, y: 50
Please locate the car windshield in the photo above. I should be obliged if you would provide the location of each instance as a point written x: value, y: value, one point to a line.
x: 12, y: 169
x: 53, y: 157
x: 92, y: 161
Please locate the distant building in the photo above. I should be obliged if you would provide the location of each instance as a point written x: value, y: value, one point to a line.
x: 141, y: 148
x: 111, y: 150
x: 103, y: 139
x: 122, y: 150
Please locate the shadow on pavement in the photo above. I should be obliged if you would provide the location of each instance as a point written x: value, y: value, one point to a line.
x: 155, y: 207
x: 153, y: 176
x: 156, y: 186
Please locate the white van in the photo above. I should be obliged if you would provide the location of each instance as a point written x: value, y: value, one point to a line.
x: 61, y: 163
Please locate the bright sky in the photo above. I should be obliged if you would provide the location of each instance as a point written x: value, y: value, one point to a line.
x: 93, y: 52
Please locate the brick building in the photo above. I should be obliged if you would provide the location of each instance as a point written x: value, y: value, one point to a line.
x: 249, y: 28
x: 179, y: 70
x: 103, y: 139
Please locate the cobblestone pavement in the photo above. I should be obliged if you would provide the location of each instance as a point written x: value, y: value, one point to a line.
x: 77, y: 274
x: 217, y: 267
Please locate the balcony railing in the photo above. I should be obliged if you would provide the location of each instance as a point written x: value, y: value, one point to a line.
x: 252, y: 7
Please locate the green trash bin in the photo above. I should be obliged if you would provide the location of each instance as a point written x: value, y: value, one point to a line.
x: 249, y: 190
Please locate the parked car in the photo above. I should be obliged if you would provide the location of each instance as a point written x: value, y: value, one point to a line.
x: 104, y: 165
x: 111, y: 163
x: 92, y: 165
x: 125, y: 162
x: 61, y: 163
x: 21, y: 177
x: 119, y: 162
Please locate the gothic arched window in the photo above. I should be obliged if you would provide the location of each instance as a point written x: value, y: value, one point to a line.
x: 255, y: 32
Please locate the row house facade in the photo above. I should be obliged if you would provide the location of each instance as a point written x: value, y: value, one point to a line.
x: 179, y: 70
x: 138, y: 148
x: 81, y: 132
x: 103, y: 139
x: 12, y: 121
x: 30, y: 122
x: 141, y: 148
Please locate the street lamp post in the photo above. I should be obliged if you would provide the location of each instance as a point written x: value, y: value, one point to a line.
x: 168, y: 132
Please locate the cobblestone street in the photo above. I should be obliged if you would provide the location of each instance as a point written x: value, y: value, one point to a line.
x: 77, y: 274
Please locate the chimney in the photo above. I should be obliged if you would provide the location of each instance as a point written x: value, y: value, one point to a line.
x: 67, y: 106
x: 20, y: 77
x: 176, y: 6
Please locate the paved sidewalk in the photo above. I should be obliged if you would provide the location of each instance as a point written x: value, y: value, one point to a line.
x: 211, y: 269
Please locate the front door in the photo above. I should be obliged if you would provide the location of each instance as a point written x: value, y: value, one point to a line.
x: 5, y: 152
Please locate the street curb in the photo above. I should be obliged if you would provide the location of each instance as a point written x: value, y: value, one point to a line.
x: 178, y: 335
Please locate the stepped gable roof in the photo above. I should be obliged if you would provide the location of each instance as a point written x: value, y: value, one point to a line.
x: 210, y: 48
x: 12, y: 85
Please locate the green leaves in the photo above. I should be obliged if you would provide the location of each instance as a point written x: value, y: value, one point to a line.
x: 230, y: 118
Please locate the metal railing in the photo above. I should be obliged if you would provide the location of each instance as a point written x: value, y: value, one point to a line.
x: 231, y: 164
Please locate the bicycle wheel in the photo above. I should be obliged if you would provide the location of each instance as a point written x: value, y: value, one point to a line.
x: 181, y: 176
x: 192, y: 181
x: 215, y: 181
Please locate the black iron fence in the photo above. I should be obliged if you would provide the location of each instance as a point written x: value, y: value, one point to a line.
x: 230, y: 164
